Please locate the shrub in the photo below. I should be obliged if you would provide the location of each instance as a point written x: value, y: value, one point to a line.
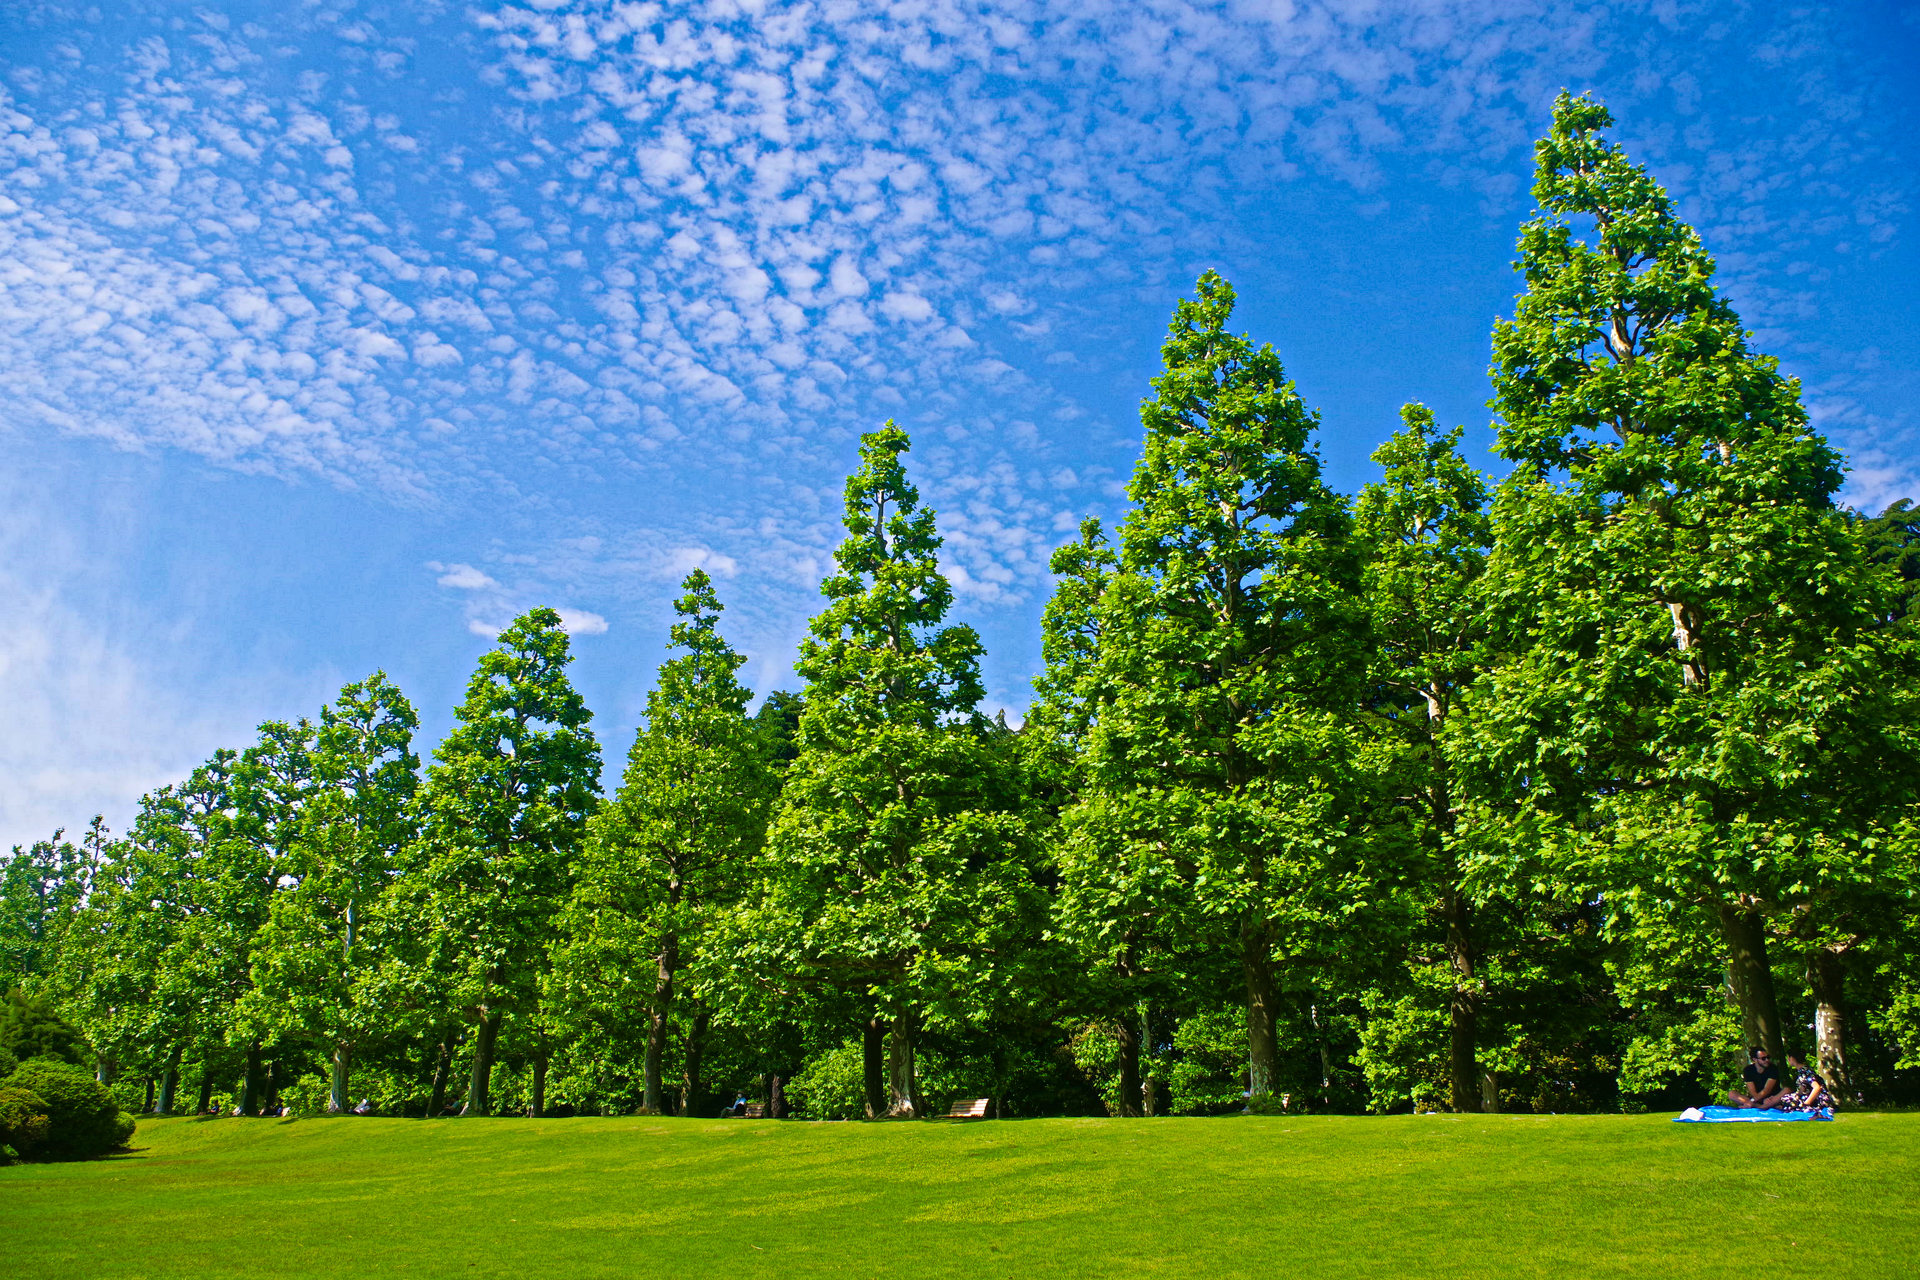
x: 31, y: 1028
x: 831, y: 1085
x: 23, y: 1120
x: 83, y: 1119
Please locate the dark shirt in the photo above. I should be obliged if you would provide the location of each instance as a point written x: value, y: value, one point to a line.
x: 1806, y: 1083
x: 1757, y: 1079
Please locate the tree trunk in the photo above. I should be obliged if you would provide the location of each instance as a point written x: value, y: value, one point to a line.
x: 250, y: 1082
x: 1824, y: 976
x: 1692, y: 671
x: 539, y: 1085
x: 338, y: 1100
x: 480, y: 1084
x: 902, y: 1090
x: 105, y: 1070
x: 1463, y: 1006
x: 1129, y: 1037
x: 1326, y: 1067
x: 873, y: 1066
x: 170, y: 1083
x: 657, y: 1026
x: 777, y: 1100
x: 442, y: 1067
x: 694, y: 1101
x: 1149, y: 1085
x: 1489, y: 1093
x: 206, y: 1089
x: 1751, y: 978
x: 1256, y: 958
x: 147, y: 1106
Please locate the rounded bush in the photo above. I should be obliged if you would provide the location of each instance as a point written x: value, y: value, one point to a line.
x: 82, y: 1118
x: 23, y: 1119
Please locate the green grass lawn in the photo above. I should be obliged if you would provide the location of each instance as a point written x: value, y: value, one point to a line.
x: 1577, y: 1196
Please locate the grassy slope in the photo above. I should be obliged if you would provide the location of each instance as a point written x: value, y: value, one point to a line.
x: 1335, y: 1196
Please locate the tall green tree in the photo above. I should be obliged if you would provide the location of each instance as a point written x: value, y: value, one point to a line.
x: 1702, y: 706
x: 256, y: 861
x: 42, y: 887
x: 1426, y: 535
x: 676, y: 844
x: 504, y: 811
x: 1120, y: 915
x: 149, y: 970
x: 1231, y: 647
x: 313, y: 958
x: 899, y: 864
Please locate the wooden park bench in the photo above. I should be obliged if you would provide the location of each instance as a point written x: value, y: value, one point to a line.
x: 755, y: 1111
x: 968, y: 1109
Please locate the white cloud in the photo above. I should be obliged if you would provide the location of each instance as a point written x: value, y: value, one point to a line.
x: 684, y: 560
x: 906, y: 306
x: 580, y: 622
x: 463, y: 577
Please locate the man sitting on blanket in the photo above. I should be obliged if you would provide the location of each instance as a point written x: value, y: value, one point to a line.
x: 1761, y: 1079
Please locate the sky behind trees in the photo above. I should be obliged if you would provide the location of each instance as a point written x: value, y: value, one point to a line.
x: 335, y: 336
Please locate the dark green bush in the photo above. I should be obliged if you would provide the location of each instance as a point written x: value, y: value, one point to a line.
x: 32, y: 1028
x: 23, y: 1119
x: 83, y: 1119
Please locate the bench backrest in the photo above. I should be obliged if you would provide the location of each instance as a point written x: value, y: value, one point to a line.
x: 974, y: 1110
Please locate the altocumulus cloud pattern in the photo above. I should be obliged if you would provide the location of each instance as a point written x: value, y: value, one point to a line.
x: 463, y: 258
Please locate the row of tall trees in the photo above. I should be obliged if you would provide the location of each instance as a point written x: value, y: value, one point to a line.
x: 1552, y: 792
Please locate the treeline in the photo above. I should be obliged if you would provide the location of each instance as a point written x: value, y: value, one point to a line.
x: 1547, y: 794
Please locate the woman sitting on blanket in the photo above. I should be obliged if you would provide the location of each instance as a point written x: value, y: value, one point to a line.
x: 1809, y: 1092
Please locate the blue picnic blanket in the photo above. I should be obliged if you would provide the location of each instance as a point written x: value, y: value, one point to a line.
x: 1745, y: 1115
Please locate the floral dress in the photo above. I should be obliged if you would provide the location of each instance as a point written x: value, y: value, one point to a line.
x: 1806, y: 1087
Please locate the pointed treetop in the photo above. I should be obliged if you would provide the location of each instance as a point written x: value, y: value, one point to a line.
x: 1623, y: 364
x: 1228, y: 459
x: 704, y: 676
x: 879, y: 640
x: 1428, y: 491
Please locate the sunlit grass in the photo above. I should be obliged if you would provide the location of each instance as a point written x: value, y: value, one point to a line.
x: 1267, y: 1197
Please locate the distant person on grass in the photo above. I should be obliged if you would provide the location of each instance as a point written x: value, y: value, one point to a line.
x: 1761, y: 1081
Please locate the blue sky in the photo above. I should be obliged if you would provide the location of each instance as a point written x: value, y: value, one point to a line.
x: 333, y: 335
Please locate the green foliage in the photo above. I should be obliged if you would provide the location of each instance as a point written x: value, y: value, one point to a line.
x: 24, y: 1119
x: 41, y: 887
x: 82, y: 1119
x: 314, y: 965
x: 504, y: 811
x: 675, y: 845
x: 1213, y: 666
x: 899, y: 871
x: 832, y: 1086
x: 31, y: 1027
x: 1893, y: 542
x: 1702, y: 702
x: 1209, y: 1076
